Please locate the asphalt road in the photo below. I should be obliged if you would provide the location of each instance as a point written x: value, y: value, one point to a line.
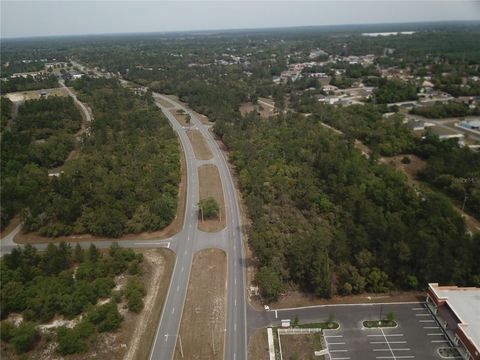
x: 230, y: 240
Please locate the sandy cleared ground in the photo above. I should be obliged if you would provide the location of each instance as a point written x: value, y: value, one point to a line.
x: 258, y: 345
x: 261, y: 109
x: 300, y: 347
x: 203, y: 321
x: 134, y: 338
x: 211, y: 186
x: 174, y: 227
x: 200, y: 147
x: 34, y: 94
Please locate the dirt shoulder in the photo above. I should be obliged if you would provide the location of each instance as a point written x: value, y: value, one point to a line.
x: 161, y: 263
x: 174, y: 227
x: 295, y: 298
x: 258, y: 345
x: 200, y: 147
x: 211, y: 186
x: 203, y: 320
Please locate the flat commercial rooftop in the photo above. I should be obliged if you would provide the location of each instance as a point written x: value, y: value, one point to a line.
x: 465, y: 302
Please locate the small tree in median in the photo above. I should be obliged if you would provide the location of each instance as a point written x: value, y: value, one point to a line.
x: 208, y: 208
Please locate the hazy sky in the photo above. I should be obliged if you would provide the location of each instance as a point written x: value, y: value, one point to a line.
x: 37, y: 18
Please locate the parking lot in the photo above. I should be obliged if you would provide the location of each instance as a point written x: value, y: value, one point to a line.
x: 417, y: 336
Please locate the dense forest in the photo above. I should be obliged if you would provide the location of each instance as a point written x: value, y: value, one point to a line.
x: 331, y: 221
x: 28, y: 83
x: 67, y: 282
x: 126, y: 177
x: 445, y: 110
x: 41, y: 137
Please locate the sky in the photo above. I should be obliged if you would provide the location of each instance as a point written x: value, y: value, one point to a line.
x: 21, y: 18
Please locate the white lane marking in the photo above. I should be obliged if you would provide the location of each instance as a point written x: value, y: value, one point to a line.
x: 417, y: 308
x: 166, y: 337
x: 439, y: 341
x: 178, y: 288
x: 435, y: 334
x: 235, y: 303
x: 385, y: 335
x: 332, y: 351
x: 391, y: 342
x: 387, y: 343
x: 276, y: 314
x: 431, y: 327
x: 339, y: 343
x: 423, y: 315
x: 173, y: 310
x: 333, y: 336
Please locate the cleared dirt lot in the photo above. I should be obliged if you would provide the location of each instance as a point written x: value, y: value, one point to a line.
x: 296, y: 347
x: 203, y: 320
x: 211, y: 186
x: 261, y: 109
x: 258, y: 345
x: 200, y: 147
x: 35, y: 94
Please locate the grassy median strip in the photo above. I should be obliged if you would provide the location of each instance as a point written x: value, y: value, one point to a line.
x: 211, y: 186
x: 200, y: 146
x: 202, y: 332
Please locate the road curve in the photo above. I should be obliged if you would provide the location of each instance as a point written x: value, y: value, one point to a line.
x: 236, y: 329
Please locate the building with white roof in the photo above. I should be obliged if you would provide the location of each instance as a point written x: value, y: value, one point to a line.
x: 457, y: 309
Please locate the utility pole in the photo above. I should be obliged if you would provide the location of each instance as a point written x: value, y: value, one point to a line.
x: 201, y: 210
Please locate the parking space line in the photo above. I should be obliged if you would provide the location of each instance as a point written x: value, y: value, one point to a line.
x: 438, y: 341
x: 340, y: 343
x: 387, y: 343
x: 426, y: 320
x: 391, y: 342
x: 426, y: 314
x: 383, y: 334
x: 435, y: 334
x: 431, y: 327
x: 333, y: 336
x: 417, y: 308
x: 408, y: 349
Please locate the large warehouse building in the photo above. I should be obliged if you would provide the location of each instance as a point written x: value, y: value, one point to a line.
x: 457, y: 310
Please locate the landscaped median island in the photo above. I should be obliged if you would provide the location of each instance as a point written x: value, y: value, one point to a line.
x: 389, y: 322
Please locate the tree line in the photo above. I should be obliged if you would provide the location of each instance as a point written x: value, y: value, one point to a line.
x: 332, y: 222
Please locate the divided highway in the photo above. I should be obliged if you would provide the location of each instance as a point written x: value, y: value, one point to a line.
x: 185, y: 243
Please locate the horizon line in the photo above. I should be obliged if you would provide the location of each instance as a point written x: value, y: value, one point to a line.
x: 220, y: 30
